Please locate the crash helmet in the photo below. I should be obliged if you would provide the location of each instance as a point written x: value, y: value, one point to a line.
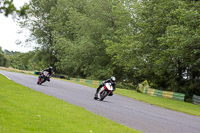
x: 113, y: 79
x: 50, y: 68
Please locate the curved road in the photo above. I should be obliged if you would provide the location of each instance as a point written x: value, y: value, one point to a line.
x: 132, y: 113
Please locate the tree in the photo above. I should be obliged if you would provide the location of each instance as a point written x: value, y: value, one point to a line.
x: 155, y: 40
x: 4, y: 60
x: 7, y: 7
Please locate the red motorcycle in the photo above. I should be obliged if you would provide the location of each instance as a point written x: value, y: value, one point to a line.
x: 104, y: 91
x: 43, y: 77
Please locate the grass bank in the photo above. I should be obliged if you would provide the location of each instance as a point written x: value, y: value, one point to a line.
x: 171, y: 104
x: 25, y: 110
x: 16, y: 70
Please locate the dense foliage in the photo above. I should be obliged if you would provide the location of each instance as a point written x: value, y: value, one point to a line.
x: 135, y: 40
x: 7, y: 7
x: 4, y: 61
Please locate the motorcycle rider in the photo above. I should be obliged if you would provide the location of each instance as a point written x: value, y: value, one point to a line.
x: 112, y: 80
x: 50, y: 70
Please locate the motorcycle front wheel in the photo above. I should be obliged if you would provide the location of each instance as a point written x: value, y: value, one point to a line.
x: 103, y: 95
x: 40, y: 81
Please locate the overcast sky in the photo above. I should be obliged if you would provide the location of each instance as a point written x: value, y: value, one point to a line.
x: 9, y: 29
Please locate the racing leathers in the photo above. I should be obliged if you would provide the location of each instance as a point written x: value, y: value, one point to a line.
x: 101, y: 85
x: 49, y: 70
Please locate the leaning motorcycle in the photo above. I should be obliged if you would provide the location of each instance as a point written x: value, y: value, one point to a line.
x: 43, y: 77
x: 104, y: 91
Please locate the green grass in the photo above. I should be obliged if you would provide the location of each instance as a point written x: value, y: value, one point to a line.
x: 171, y: 104
x: 23, y: 110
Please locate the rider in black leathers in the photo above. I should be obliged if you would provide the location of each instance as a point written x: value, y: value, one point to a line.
x: 50, y: 70
x: 112, y: 80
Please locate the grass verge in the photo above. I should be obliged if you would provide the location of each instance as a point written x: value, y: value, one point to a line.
x: 16, y: 70
x: 171, y: 104
x: 25, y: 110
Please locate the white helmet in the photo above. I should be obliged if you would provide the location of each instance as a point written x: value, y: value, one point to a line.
x: 113, y: 79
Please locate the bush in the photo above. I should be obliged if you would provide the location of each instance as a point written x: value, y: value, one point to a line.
x: 128, y: 86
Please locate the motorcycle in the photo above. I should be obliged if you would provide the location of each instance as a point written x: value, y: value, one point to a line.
x: 104, y: 91
x: 43, y: 77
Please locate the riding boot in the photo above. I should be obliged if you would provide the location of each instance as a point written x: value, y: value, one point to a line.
x: 110, y: 94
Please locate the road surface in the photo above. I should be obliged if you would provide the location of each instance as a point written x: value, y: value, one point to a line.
x: 132, y: 113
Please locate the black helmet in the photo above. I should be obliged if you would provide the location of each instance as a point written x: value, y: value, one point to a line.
x: 113, y: 79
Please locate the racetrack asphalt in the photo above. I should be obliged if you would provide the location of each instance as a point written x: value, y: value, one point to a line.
x: 132, y: 113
